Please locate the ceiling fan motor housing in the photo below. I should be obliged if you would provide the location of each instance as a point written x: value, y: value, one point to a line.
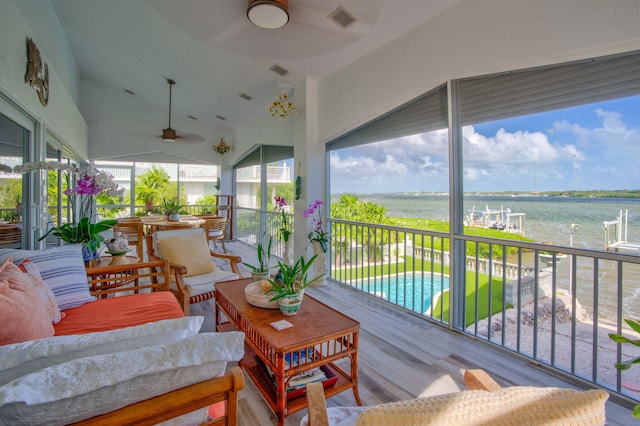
x: 169, y: 135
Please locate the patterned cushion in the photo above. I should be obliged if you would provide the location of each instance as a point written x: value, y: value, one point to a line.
x: 89, y: 386
x: 23, y: 358
x: 515, y: 405
x: 62, y: 269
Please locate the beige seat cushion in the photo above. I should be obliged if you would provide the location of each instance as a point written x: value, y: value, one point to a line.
x: 204, y: 283
x: 189, y: 250
x: 516, y: 405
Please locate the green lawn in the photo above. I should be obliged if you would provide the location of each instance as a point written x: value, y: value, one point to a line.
x: 442, y: 304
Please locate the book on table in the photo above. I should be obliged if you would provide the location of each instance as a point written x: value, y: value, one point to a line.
x: 323, y: 374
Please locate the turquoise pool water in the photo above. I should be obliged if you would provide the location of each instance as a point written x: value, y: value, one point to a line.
x: 412, y: 291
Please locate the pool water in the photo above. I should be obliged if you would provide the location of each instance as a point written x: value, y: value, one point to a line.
x: 412, y: 291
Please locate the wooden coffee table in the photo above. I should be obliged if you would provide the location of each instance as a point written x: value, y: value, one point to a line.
x: 320, y: 336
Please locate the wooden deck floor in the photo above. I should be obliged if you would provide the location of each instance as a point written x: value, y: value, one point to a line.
x: 403, y: 356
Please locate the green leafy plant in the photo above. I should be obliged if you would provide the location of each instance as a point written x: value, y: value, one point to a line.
x: 264, y: 258
x: 292, y: 279
x: 170, y: 207
x: 285, y: 229
x: 81, y: 232
x: 318, y: 234
x: 82, y: 197
x: 625, y: 365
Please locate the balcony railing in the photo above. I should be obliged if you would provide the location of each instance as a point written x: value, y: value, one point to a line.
x: 252, y: 224
x: 554, y: 305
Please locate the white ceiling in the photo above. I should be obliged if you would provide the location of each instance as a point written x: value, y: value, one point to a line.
x: 214, y: 52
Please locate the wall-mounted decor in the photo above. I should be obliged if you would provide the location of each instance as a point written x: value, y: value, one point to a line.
x: 36, y: 77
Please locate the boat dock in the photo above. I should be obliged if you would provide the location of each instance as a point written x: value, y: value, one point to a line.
x: 615, y: 234
x: 502, y: 220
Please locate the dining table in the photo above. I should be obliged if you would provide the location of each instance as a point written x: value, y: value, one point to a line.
x: 159, y: 222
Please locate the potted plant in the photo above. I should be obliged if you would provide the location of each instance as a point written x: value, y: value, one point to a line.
x: 261, y: 271
x: 171, y: 209
x: 289, y: 284
x: 83, y: 228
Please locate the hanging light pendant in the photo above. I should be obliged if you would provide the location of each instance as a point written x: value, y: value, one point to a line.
x: 282, y: 107
x: 222, y: 148
x: 169, y: 134
x: 268, y: 14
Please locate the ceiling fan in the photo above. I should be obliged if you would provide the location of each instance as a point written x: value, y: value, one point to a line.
x: 169, y: 134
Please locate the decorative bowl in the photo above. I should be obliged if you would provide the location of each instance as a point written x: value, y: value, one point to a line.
x: 254, y: 295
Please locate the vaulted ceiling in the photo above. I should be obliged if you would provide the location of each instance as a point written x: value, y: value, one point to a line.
x: 215, y: 54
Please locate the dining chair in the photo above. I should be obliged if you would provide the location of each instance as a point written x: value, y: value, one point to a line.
x: 132, y: 229
x: 215, y: 230
x: 10, y: 235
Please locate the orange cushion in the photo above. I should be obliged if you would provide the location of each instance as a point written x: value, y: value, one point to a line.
x: 119, y: 312
x: 23, y: 315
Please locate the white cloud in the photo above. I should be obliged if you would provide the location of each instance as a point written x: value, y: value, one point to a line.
x: 566, y: 156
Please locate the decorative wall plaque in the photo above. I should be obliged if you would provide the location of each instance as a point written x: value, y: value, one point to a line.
x: 36, y: 76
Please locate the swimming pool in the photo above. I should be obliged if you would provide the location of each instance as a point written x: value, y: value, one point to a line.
x: 411, y: 290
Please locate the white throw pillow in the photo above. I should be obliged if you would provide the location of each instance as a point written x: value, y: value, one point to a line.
x: 62, y: 269
x: 87, y: 387
x: 22, y: 358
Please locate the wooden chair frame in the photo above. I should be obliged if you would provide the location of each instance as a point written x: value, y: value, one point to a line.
x: 130, y: 227
x: 178, y: 402
x: 183, y: 293
x: 213, y: 224
x: 10, y: 235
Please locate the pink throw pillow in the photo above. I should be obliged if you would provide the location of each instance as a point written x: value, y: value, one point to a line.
x: 22, y: 314
x: 33, y: 272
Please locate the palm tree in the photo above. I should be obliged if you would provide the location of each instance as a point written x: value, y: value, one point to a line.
x: 349, y: 207
x: 151, y: 187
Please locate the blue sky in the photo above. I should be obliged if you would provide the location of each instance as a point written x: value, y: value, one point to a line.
x: 595, y: 146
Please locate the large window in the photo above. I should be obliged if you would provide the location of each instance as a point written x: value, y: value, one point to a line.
x: 551, y: 153
x: 260, y: 176
x: 14, y: 141
x: 399, y: 161
x: 147, y: 185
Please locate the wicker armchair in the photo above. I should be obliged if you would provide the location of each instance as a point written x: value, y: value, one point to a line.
x: 190, y: 287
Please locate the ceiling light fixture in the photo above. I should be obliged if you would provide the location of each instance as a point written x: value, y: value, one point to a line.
x: 222, y: 148
x: 169, y: 134
x: 268, y: 14
x: 282, y: 107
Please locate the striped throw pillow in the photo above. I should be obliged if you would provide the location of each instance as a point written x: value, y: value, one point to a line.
x: 62, y: 269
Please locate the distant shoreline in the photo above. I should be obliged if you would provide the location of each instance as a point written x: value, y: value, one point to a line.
x: 614, y: 194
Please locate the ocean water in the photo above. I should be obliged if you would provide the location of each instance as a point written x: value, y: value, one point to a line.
x: 549, y: 219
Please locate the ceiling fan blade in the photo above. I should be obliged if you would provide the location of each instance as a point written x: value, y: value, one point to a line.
x: 185, y: 137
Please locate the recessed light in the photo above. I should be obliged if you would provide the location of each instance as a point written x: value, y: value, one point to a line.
x: 279, y: 70
x: 192, y: 117
x: 219, y: 117
x: 341, y: 17
x: 131, y: 92
x: 245, y: 96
